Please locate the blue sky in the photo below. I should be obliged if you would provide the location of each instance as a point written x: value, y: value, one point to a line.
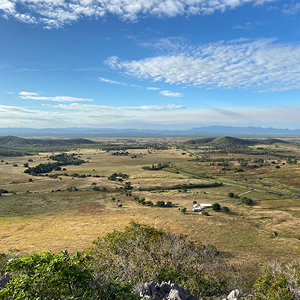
x: 149, y: 64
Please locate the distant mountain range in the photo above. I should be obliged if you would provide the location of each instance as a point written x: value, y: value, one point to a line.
x: 204, y: 131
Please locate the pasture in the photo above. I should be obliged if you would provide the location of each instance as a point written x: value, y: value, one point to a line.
x: 40, y: 212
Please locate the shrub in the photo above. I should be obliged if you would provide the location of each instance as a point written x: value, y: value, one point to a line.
x: 59, y: 276
x: 183, y: 210
x: 247, y: 201
x: 225, y: 209
x: 142, y: 253
x: 278, y: 282
x: 72, y: 189
x: 205, y: 213
x: 216, y: 207
x: 169, y: 204
x: 160, y: 203
x: 53, y: 176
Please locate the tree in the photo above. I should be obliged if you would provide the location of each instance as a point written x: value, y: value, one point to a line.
x: 216, y: 207
x: 225, y: 209
x: 160, y: 203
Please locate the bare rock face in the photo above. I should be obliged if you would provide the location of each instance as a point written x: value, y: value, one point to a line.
x: 165, y: 291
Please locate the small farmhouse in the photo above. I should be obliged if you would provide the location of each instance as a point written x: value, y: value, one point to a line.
x: 199, y: 207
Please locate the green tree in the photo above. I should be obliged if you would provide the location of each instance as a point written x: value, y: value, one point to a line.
x: 216, y: 207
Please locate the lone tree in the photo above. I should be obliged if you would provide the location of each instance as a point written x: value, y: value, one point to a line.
x: 216, y: 207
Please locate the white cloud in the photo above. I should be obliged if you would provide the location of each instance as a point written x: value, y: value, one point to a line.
x: 57, y: 13
x: 170, y: 94
x: 27, y: 94
x: 35, y: 96
x: 153, y: 89
x: 111, y: 81
x: 101, y: 108
x: 261, y: 64
x: 291, y: 9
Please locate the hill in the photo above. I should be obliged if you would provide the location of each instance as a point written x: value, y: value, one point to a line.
x: 14, y: 141
x: 231, y: 142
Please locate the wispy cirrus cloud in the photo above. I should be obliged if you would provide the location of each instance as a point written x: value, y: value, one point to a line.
x: 36, y: 96
x: 292, y: 8
x: 88, y: 107
x: 170, y: 94
x: 111, y: 81
x: 260, y: 64
x: 57, y: 13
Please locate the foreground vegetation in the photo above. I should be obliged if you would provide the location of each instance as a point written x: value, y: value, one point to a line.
x: 115, y: 263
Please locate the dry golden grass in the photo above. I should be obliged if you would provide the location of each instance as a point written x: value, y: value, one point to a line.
x: 58, y: 220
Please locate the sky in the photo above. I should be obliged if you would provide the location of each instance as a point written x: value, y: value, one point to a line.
x: 149, y: 64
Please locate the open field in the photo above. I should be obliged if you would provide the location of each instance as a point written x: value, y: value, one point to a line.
x: 39, y: 213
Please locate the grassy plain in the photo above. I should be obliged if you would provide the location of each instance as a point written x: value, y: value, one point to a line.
x: 42, y: 214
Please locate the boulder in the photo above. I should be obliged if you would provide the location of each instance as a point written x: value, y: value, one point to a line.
x: 234, y: 295
x: 165, y: 291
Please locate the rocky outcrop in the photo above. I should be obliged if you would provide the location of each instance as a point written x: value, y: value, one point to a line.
x: 163, y: 291
x: 171, y: 291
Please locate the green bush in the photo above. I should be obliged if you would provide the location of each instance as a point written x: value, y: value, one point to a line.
x: 216, y: 207
x: 72, y: 189
x: 225, y: 209
x: 142, y: 253
x: 59, y: 276
x: 278, y: 283
x: 247, y: 201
